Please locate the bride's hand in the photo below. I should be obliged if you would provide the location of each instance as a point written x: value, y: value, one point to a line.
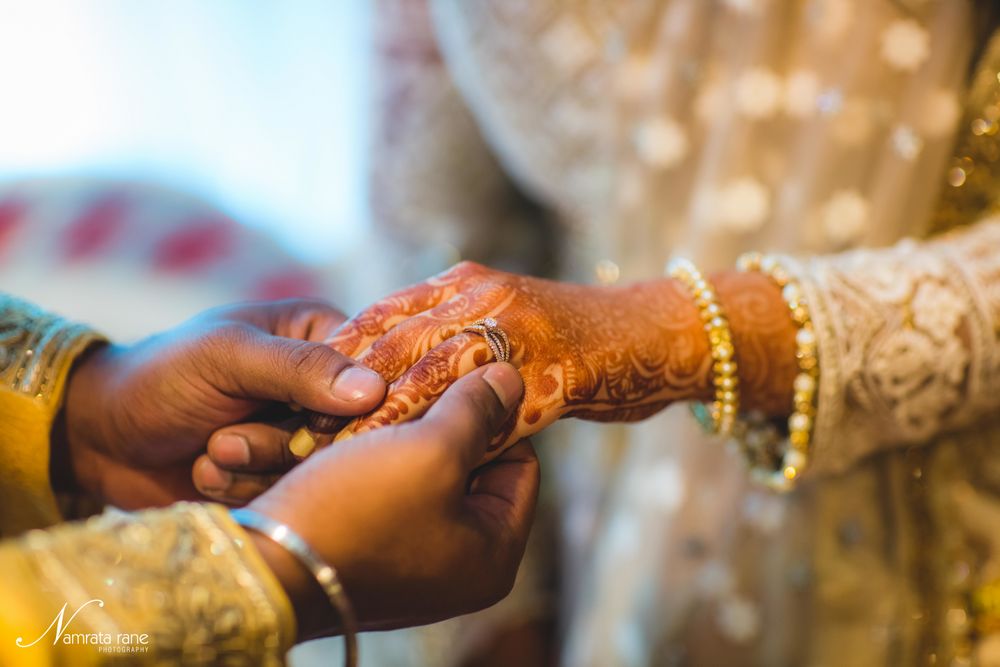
x: 602, y: 353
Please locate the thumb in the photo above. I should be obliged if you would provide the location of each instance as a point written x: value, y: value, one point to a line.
x: 472, y: 411
x: 274, y: 368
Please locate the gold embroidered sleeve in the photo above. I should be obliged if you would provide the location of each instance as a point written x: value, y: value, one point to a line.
x: 972, y: 187
x: 181, y: 585
x: 37, y: 350
x: 907, y: 340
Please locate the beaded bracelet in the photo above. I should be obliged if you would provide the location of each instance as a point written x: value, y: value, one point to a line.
x: 795, y: 454
x: 722, y: 411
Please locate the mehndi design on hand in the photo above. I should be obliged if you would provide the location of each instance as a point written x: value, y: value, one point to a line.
x: 600, y: 353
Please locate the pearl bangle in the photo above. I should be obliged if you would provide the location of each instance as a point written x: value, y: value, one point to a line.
x: 795, y: 454
x: 722, y: 411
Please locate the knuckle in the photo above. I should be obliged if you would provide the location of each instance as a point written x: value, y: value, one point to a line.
x: 229, y: 333
x: 307, y: 303
x: 466, y: 267
x: 474, y: 412
x: 223, y: 344
x: 313, y: 308
x: 484, y: 403
x: 366, y: 322
x: 470, y: 415
x: 308, y: 358
x: 344, y: 338
x: 383, y: 361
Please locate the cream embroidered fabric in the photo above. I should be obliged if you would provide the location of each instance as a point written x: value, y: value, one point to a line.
x: 709, y: 128
x: 908, y: 342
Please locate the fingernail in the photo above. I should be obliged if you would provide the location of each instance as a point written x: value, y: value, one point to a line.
x: 214, y: 480
x: 506, y: 382
x: 355, y: 383
x: 302, y: 443
x: 231, y: 450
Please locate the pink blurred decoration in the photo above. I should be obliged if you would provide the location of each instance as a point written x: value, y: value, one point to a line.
x: 96, y: 229
x: 12, y: 213
x: 294, y: 282
x: 132, y: 258
x: 196, y: 245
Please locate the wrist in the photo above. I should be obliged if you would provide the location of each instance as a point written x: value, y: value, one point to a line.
x: 313, y: 614
x: 665, y: 330
x: 72, y: 467
x: 313, y: 609
x: 78, y: 431
x: 763, y: 336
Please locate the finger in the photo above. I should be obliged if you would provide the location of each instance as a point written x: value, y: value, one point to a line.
x: 312, y: 321
x: 226, y: 486
x: 418, y: 388
x: 304, y: 319
x: 543, y: 403
x: 507, y: 477
x: 404, y: 345
x: 251, y: 447
x: 502, y: 498
x: 471, y: 411
x: 358, y: 333
x: 256, y: 365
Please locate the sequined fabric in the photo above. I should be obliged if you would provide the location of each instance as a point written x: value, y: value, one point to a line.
x: 37, y: 350
x: 708, y: 129
x: 183, y: 577
x: 35, y: 346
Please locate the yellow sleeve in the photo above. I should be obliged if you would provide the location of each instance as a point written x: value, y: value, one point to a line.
x: 173, y: 586
x: 180, y: 585
x: 37, y: 350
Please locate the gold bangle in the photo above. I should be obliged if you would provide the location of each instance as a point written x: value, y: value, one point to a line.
x: 795, y: 454
x: 722, y: 411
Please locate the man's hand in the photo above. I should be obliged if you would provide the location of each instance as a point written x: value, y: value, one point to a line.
x: 415, y: 531
x: 137, y: 417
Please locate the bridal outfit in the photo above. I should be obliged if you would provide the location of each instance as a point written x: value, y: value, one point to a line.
x: 859, y: 137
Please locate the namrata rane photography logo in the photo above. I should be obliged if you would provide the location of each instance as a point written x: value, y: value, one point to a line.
x: 103, y: 642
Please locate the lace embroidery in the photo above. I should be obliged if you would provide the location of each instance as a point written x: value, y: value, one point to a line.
x: 906, y: 338
x: 546, y: 128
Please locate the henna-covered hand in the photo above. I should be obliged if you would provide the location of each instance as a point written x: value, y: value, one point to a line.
x: 600, y: 353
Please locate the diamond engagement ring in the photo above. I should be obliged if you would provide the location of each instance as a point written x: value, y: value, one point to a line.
x: 495, y: 337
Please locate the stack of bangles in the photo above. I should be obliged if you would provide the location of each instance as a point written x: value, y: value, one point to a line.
x: 776, y: 460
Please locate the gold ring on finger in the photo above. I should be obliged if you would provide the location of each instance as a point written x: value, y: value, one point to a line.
x: 496, y: 337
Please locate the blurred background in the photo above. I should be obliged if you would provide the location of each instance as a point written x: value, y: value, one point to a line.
x: 157, y: 158
x: 160, y: 158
